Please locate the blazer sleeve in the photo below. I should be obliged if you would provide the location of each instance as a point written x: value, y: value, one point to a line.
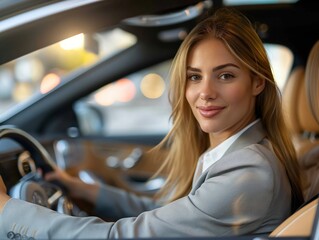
x: 231, y: 201
x: 116, y: 203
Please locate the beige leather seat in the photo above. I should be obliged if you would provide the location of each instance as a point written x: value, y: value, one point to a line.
x: 299, y: 224
x: 300, y: 120
x: 305, y: 130
x: 290, y: 100
x: 301, y: 103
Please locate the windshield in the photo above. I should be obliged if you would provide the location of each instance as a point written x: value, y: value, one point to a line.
x: 41, y: 71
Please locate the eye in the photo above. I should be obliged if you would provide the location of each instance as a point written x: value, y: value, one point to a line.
x: 226, y: 76
x: 193, y: 77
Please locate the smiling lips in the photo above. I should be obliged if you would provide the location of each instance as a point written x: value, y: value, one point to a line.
x: 210, y: 111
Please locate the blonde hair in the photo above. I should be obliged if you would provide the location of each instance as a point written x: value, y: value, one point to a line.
x: 186, y: 141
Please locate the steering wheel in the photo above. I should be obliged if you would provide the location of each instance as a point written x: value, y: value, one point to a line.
x: 32, y: 187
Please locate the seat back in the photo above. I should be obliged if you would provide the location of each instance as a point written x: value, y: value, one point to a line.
x: 301, y: 105
x: 299, y: 118
x: 310, y: 153
x: 299, y: 224
x: 290, y: 99
x: 301, y: 121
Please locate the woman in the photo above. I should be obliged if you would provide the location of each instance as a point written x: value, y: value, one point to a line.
x: 232, y: 166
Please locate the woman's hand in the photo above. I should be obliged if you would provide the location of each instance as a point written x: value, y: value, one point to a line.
x: 75, y: 186
x: 72, y: 184
x: 3, y: 194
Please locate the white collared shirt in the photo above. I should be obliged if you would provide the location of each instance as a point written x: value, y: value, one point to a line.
x: 212, y: 156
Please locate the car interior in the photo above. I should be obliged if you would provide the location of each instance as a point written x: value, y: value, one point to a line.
x: 65, y: 127
x: 304, y: 125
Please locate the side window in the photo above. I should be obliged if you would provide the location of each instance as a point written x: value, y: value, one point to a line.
x: 134, y: 105
x: 281, y: 60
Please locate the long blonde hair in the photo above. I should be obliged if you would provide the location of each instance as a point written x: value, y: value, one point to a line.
x: 186, y: 141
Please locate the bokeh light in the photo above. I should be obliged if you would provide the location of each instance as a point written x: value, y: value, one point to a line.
x: 22, y: 91
x: 123, y: 90
x: 28, y: 69
x: 6, y: 83
x: 152, y: 86
x: 50, y: 81
x: 106, y: 96
x: 126, y: 90
x: 75, y: 42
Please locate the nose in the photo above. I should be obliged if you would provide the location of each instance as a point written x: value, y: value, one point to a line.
x: 208, y: 90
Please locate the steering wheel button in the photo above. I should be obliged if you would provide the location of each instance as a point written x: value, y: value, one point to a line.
x: 10, y: 235
x: 17, y: 236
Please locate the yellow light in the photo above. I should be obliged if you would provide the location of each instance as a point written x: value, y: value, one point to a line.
x: 22, y: 91
x: 49, y: 82
x: 72, y: 43
x: 152, y: 86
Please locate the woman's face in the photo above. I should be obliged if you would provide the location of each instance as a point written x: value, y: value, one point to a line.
x: 220, y: 90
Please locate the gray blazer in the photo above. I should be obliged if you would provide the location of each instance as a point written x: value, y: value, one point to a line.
x: 246, y: 192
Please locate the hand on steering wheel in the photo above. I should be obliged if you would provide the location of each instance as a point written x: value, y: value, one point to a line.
x: 33, y: 187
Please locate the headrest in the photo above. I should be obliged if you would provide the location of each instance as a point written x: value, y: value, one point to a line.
x: 312, y: 80
x: 290, y: 99
x: 307, y: 120
x: 299, y: 117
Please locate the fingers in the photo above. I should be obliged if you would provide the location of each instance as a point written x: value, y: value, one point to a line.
x: 51, y: 176
x: 62, y: 177
x: 57, y: 174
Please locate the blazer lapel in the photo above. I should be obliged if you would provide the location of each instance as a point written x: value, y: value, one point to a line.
x: 255, y: 134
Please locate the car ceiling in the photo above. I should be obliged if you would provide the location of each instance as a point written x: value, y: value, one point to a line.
x: 293, y: 25
x: 299, y: 20
x: 84, y: 16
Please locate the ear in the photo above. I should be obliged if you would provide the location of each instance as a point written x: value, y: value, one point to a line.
x: 258, y: 85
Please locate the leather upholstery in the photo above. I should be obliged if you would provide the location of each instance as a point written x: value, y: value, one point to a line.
x: 301, y: 106
x: 299, y: 224
x: 312, y: 80
x: 299, y: 118
x: 290, y: 99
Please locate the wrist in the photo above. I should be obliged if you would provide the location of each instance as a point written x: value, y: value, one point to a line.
x: 87, y: 191
x: 81, y: 190
x: 4, y: 198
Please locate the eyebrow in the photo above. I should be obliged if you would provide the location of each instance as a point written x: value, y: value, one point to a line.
x: 215, y: 68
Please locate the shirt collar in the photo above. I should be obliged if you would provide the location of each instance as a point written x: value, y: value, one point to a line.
x: 213, y: 155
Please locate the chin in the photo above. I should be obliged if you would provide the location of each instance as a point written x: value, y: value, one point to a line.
x: 208, y: 129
